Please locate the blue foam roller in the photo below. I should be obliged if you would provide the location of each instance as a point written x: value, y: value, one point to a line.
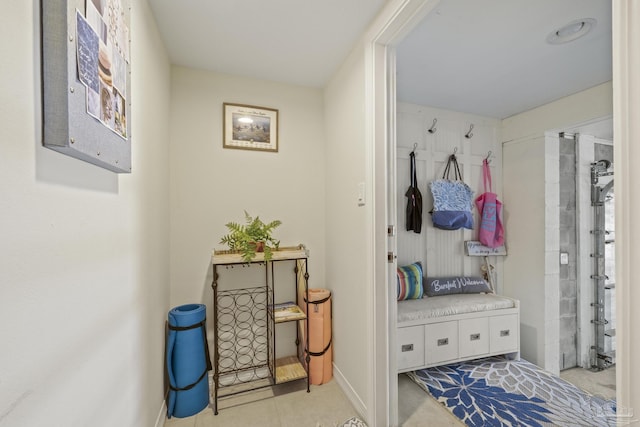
x: 187, y: 361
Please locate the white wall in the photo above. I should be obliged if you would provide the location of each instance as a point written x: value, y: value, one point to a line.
x: 84, y: 252
x: 531, y: 193
x: 348, y: 227
x: 212, y: 185
x: 524, y: 165
x: 590, y: 104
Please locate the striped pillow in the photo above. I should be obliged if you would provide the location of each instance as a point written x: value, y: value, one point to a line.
x: 410, y: 281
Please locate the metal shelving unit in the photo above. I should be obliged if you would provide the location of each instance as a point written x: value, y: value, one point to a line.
x: 603, y: 351
x: 244, y: 358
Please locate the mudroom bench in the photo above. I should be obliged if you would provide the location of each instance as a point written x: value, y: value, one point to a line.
x: 433, y: 331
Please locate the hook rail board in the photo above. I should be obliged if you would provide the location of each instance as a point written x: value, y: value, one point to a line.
x: 86, y: 80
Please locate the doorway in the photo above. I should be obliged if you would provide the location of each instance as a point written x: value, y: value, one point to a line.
x: 625, y: 127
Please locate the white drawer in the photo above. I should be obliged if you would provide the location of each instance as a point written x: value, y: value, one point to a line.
x: 441, y: 342
x: 474, y: 337
x: 410, y: 342
x: 504, y: 333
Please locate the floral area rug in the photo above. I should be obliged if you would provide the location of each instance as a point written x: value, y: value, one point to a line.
x: 499, y: 392
x: 354, y: 422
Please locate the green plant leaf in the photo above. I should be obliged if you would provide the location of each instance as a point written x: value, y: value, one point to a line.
x: 243, y: 237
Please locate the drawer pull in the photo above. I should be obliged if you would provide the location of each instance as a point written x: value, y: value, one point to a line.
x: 406, y: 347
x: 474, y: 337
x: 504, y: 333
x: 443, y: 341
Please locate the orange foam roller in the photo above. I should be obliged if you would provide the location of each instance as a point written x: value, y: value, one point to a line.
x: 320, y: 345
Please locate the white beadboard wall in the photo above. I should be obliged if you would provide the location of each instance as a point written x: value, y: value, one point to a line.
x: 441, y: 251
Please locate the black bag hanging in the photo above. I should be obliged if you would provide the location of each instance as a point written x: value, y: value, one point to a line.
x: 414, y: 202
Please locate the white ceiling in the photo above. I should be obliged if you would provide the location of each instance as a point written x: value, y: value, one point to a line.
x: 486, y: 57
x: 291, y: 41
x: 491, y: 57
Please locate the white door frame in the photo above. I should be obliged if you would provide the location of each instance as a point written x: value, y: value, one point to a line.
x: 396, y: 20
x: 626, y: 155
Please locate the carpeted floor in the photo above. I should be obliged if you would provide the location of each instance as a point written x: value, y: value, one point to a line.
x: 499, y: 392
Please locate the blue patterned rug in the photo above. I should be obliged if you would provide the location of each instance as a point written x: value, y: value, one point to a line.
x: 499, y: 392
x: 354, y: 422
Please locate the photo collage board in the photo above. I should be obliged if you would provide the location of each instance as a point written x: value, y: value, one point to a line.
x: 102, y: 45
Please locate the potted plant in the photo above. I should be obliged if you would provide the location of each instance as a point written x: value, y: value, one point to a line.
x: 252, y: 237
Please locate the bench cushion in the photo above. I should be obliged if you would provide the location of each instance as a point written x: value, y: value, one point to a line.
x: 448, y: 305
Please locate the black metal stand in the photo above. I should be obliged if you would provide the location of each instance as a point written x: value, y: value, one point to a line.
x: 244, y: 327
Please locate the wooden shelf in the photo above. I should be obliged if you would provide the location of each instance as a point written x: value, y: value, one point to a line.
x: 288, y: 313
x: 222, y: 257
x: 289, y: 369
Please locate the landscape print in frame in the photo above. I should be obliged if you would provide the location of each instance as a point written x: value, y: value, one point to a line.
x: 249, y: 127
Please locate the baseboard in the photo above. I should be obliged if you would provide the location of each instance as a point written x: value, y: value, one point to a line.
x: 162, y: 415
x: 351, y: 394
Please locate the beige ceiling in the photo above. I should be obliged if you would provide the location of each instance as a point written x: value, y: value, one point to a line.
x: 487, y: 57
x: 294, y: 41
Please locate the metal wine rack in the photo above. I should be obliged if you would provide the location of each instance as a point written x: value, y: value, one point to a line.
x: 244, y: 357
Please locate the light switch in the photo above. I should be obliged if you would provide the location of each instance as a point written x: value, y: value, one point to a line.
x: 564, y: 258
x: 361, y: 194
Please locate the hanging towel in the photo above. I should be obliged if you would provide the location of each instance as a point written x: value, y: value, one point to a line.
x: 414, y: 202
x: 491, y: 232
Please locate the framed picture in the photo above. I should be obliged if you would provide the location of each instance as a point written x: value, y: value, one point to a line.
x: 248, y: 127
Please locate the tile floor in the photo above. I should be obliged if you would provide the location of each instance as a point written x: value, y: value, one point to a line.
x: 289, y: 405
x: 416, y: 408
x: 599, y: 383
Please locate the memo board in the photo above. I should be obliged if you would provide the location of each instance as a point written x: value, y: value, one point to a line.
x: 86, y: 79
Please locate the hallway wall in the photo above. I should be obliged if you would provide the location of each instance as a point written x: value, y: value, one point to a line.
x: 84, y: 277
x: 348, y: 226
x: 211, y: 185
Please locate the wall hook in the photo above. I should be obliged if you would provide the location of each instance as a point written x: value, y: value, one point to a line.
x: 469, y: 135
x: 415, y: 146
x: 433, y: 128
x: 488, y: 158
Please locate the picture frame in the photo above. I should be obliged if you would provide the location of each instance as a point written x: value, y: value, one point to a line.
x: 249, y: 127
